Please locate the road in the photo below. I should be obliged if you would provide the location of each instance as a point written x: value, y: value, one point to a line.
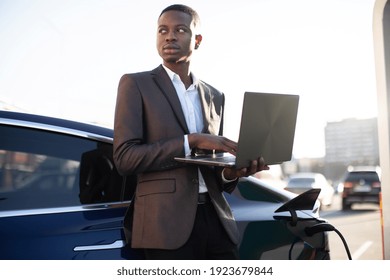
x: 360, y: 228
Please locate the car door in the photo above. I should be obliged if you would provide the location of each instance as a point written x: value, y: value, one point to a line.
x: 60, y: 197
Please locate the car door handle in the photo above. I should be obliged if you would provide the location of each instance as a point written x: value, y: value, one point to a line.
x: 115, y: 245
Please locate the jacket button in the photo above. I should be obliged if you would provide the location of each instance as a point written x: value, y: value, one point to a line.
x: 195, y: 181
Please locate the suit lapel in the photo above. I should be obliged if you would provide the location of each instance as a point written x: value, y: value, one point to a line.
x: 164, y: 83
x: 205, y: 100
x: 211, y: 120
x: 212, y: 105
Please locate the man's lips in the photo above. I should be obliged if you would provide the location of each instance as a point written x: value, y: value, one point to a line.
x: 170, y: 48
x: 171, y: 51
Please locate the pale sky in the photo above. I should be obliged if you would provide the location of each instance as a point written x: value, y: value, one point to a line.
x: 65, y: 58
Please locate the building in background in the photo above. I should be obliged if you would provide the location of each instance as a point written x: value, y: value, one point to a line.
x: 350, y: 142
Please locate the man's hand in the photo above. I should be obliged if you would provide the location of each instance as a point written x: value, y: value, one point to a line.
x: 223, y: 144
x: 212, y: 142
x: 256, y: 166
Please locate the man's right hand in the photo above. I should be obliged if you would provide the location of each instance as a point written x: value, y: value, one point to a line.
x: 205, y: 141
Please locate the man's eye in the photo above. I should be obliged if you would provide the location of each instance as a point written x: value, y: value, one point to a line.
x: 181, y: 30
x: 162, y: 31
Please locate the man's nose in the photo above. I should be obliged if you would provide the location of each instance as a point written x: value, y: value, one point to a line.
x: 171, y: 36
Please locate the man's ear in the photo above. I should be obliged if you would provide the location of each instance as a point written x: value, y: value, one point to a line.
x: 198, y: 40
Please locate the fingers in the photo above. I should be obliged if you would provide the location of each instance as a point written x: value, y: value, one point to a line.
x: 223, y: 144
x: 212, y: 142
x: 254, y: 167
x: 261, y: 165
x: 228, y: 145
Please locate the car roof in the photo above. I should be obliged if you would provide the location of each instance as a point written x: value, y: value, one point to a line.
x: 363, y: 168
x: 56, y: 124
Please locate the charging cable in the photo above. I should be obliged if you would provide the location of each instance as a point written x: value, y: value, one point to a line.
x: 322, y: 227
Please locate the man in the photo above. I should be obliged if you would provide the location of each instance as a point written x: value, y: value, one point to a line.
x: 179, y: 210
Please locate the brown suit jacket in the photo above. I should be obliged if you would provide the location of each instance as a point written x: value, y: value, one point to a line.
x: 149, y: 132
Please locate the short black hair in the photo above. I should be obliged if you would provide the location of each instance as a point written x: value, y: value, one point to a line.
x: 185, y: 9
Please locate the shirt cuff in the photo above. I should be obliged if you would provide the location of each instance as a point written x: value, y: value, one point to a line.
x: 187, y: 149
x: 224, y: 180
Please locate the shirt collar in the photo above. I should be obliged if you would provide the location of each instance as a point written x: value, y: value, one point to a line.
x: 172, y: 75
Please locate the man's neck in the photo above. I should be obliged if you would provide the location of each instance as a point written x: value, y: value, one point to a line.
x: 183, y: 70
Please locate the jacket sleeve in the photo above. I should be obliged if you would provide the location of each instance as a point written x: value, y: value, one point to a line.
x: 132, y: 153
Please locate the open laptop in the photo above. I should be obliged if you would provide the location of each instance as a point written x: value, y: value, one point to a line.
x: 267, y: 130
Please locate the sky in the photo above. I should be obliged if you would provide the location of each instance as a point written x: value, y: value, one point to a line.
x: 65, y: 58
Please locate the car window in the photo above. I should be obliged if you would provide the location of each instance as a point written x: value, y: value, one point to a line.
x: 40, y: 169
x: 300, y: 182
x: 367, y: 176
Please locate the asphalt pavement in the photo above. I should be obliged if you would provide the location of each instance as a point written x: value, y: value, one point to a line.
x: 361, y: 229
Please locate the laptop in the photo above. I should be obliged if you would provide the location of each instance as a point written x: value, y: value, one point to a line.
x: 267, y: 130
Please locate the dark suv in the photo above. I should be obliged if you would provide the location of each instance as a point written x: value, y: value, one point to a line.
x: 361, y: 185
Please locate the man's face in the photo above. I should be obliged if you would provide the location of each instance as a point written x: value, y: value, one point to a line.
x: 175, y: 37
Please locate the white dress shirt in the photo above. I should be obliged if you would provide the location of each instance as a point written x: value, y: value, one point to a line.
x: 190, y: 103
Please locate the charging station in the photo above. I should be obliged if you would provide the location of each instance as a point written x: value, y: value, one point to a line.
x: 381, y: 32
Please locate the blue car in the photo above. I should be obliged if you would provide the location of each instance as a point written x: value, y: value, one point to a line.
x: 62, y: 198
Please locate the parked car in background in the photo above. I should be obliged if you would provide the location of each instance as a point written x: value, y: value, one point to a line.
x: 301, y: 182
x: 61, y: 197
x: 361, y: 185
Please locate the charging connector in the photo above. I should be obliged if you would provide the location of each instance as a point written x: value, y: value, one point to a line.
x: 322, y: 227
